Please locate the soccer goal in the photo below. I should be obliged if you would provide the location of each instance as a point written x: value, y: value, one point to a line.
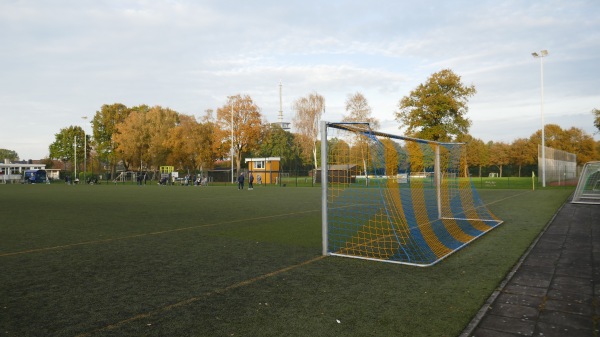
x: 588, y: 187
x: 396, y: 199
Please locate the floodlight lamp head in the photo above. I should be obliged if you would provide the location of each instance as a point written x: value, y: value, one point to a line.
x: 541, y: 54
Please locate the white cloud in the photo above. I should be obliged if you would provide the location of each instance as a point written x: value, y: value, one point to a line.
x: 63, y: 59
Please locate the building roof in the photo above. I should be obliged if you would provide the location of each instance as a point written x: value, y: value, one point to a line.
x: 43, y: 166
x: 263, y: 159
x: 341, y: 167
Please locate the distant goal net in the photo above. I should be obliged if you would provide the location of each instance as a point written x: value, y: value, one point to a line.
x: 588, y: 187
x: 396, y: 199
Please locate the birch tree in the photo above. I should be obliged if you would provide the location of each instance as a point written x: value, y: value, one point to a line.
x: 306, y: 121
x: 359, y: 111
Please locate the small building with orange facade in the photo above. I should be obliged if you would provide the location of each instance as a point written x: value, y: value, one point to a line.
x: 265, y: 170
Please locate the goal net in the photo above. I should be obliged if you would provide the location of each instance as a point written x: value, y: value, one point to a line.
x: 588, y: 187
x: 396, y: 199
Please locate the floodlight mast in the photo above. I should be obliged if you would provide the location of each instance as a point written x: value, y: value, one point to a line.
x: 324, y: 182
x: 232, y: 151
x: 85, y: 151
x: 541, y: 56
x: 75, y: 155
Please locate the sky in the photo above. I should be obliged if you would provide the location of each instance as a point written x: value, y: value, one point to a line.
x: 60, y: 61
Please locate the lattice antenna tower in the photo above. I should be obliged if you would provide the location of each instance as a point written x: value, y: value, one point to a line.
x: 280, y: 122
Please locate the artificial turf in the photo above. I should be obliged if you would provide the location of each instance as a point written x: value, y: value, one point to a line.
x: 110, y: 260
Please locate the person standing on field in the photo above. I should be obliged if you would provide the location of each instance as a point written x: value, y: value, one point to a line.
x: 250, y: 181
x: 241, y: 181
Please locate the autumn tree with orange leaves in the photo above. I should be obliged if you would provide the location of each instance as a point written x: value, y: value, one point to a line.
x: 104, y: 126
x: 141, y: 137
x: 191, y: 144
x: 241, y: 119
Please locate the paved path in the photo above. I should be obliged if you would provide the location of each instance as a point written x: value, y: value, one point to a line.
x: 555, y: 290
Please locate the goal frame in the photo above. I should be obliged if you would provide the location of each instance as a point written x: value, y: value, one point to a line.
x: 586, y: 192
x: 437, y: 176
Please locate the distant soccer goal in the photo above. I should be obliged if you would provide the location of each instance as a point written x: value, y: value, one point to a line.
x: 396, y: 199
x: 588, y: 187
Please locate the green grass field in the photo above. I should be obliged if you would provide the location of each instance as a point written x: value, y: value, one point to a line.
x: 128, y: 260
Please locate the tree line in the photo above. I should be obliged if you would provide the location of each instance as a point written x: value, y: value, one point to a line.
x: 145, y: 137
x: 524, y: 151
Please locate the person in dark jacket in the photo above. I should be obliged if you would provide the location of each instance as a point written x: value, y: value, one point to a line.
x: 241, y: 182
x: 250, y: 181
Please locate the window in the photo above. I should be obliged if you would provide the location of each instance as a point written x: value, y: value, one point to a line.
x: 259, y: 164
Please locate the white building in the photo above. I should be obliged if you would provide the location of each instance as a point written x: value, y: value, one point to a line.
x: 11, y: 173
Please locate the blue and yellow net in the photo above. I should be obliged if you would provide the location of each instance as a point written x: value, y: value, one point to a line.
x: 399, y: 199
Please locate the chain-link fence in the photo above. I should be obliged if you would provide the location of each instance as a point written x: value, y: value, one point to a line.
x: 561, y: 166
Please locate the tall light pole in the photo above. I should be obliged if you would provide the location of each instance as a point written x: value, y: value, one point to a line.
x: 232, y: 181
x: 75, y: 155
x: 84, y: 151
x: 541, y: 56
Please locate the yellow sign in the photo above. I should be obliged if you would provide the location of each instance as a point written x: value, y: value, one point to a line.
x: 166, y: 169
